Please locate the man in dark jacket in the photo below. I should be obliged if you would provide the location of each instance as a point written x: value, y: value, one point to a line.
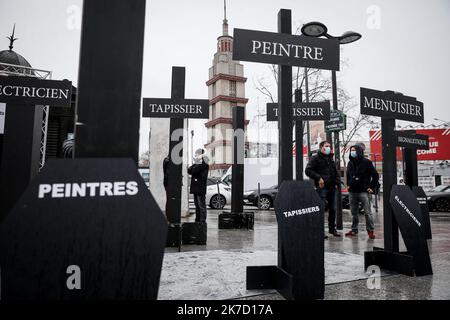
x: 199, y: 171
x: 322, y: 169
x: 362, y: 180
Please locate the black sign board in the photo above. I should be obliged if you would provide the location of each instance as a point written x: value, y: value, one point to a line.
x: 337, y: 122
x: 388, y: 104
x: 302, y: 111
x: 423, y: 202
x: 175, y: 108
x: 412, y: 140
x: 407, y: 212
x: 285, y: 49
x: 83, y: 229
x: 300, y: 215
x: 33, y: 91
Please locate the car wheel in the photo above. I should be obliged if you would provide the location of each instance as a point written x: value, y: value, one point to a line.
x: 442, y: 205
x: 265, y: 202
x: 217, y: 202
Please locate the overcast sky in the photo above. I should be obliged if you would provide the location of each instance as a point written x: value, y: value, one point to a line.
x: 405, y: 45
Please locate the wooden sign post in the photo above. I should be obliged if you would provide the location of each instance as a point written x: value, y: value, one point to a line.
x: 177, y: 108
x: 24, y: 98
x: 390, y: 106
x: 285, y: 50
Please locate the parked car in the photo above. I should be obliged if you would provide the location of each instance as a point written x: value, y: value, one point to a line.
x: 439, y: 198
x: 218, y: 194
x: 268, y: 195
x: 266, y: 198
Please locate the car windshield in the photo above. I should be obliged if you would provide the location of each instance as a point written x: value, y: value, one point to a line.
x: 211, y: 182
x: 440, y: 188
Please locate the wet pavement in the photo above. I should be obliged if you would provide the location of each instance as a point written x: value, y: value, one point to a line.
x: 217, y: 270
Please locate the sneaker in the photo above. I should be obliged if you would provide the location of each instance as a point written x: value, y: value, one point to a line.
x: 335, y: 233
x: 371, y: 235
x: 351, y: 233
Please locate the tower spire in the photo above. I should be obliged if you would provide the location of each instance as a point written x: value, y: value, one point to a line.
x: 12, y: 39
x: 225, y: 10
x: 225, y: 21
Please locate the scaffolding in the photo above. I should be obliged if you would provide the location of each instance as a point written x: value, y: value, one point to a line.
x: 7, y: 69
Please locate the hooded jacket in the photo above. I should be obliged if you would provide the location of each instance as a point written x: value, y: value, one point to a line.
x: 361, y: 173
x: 323, y: 166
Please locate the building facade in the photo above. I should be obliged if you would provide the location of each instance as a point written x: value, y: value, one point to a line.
x: 226, y: 89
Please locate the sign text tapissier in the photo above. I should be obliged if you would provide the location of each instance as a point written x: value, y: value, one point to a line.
x: 175, y: 108
x: 302, y: 110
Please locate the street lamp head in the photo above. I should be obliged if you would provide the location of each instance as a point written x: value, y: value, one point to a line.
x: 349, y: 36
x: 314, y: 29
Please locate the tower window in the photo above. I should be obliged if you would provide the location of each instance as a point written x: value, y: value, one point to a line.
x: 233, y: 88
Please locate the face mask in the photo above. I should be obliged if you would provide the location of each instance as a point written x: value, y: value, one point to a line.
x: 327, y: 150
x: 353, y: 154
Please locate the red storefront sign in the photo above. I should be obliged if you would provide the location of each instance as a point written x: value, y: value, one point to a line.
x: 439, y: 145
x: 305, y: 150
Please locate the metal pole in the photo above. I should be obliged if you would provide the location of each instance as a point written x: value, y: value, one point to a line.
x: 329, y: 136
x: 259, y: 195
x: 391, y: 236
x: 175, y: 180
x: 218, y: 192
x: 192, y: 146
x: 337, y: 157
x: 378, y: 193
x: 298, y: 141
x: 308, y: 135
x: 284, y: 119
x: 237, y: 171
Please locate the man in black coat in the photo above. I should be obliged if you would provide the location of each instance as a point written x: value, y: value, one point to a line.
x: 322, y: 169
x: 362, y: 180
x: 199, y: 171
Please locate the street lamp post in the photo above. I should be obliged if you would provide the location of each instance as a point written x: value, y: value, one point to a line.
x: 308, y: 133
x: 318, y: 29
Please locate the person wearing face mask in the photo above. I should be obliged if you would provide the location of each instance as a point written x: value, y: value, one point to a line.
x: 362, y: 180
x: 322, y: 169
x: 199, y: 171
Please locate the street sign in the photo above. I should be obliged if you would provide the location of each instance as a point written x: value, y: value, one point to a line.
x: 286, y: 49
x: 175, y: 108
x: 412, y: 140
x: 300, y: 215
x: 408, y: 214
x: 389, y: 104
x: 337, y: 122
x: 302, y: 111
x: 83, y: 229
x: 33, y: 91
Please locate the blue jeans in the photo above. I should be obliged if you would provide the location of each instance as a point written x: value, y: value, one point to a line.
x: 355, y: 199
x: 329, y: 195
